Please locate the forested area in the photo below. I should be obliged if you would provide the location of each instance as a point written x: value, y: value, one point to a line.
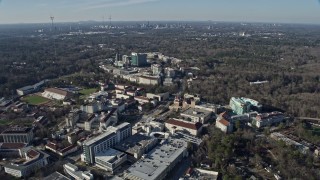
x: 226, y: 153
x: 287, y: 56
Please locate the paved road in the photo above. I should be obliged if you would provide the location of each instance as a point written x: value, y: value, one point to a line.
x: 307, y: 118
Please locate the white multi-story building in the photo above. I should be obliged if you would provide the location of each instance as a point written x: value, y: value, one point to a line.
x: 159, y: 97
x: 73, y: 117
x: 91, y: 122
x: 209, y: 107
x: 156, y: 69
x: 33, y: 160
x: 94, y: 107
x: 148, y: 126
x: 104, y: 141
x: 149, y: 80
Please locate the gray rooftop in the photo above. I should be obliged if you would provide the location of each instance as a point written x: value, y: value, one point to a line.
x: 134, y: 143
x: 77, y: 173
x: 208, y: 105
x: 110, y: 132
x: 26, y: 88
x: 25, y: 164
x: 110, y: 155
x: 123, y: 126
x: 99, y: 137
x: 157, y: 161
x: 196, y: 112
x: 56, y: 176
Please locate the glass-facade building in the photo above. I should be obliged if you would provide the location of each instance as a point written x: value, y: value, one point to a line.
x: 138, y: 59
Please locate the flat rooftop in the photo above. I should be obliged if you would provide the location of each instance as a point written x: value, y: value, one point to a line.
x: 17, y: 130
x: 56, y: 176
x: 157, y: 161
x: 123, y: 126
x: 185, y: 124
x: 22, y: 163
x: 12, y: 145
x: 196, y: 112
x: 99, y: 137
x: 134, y: 143
x: 110, y: 155
x: 77, y: 173
x: 208, y: 105
x: 243, y: 100
x: 111, y: 131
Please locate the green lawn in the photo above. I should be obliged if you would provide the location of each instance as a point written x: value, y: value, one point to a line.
x: 4, y: 122
x: 35, y: 100
x: 88, y: 91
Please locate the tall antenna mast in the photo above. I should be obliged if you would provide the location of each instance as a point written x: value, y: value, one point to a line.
x: 54, y: 41
x: 110, y: 18
x: 52, y: 18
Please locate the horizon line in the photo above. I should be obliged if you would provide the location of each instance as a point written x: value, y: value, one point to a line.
x: 118, y: 21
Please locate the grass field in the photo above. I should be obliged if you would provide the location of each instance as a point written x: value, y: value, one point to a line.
x: 35, y: 100
x: 88, y: 91
x: 4, y: 122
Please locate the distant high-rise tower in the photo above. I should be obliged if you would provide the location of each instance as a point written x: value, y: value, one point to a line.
x: 118, y: 56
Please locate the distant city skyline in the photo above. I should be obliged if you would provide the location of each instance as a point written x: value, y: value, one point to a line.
x: 277, y: 11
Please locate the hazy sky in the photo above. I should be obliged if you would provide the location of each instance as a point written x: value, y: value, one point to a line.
x: 29, y: 11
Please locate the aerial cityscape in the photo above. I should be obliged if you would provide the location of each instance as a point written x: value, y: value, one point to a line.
x: 151, y: 91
